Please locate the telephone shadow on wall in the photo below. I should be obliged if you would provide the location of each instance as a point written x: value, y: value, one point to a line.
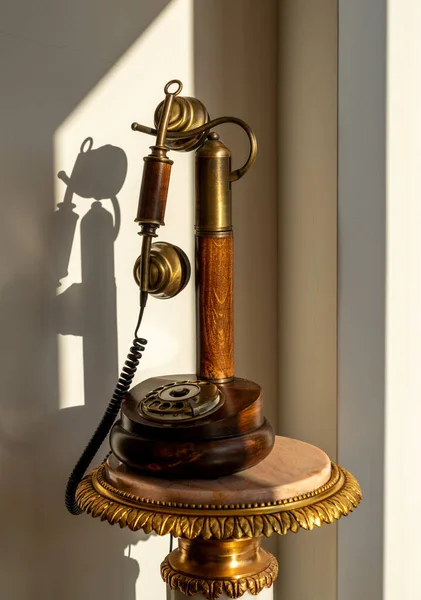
x: 41, y: 449
x: 46, y: 452
x: 53, y: 64
x: 88, y: 309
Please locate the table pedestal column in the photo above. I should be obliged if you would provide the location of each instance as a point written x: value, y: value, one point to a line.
x: 219, y: 568
x: 266, y: 594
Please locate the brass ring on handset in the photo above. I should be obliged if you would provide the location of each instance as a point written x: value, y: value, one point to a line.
x: 172, y: 82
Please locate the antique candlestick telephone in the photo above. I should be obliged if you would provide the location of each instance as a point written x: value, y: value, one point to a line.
x: 208, y: 426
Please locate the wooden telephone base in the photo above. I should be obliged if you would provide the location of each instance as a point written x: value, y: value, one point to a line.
x: 179, y: 426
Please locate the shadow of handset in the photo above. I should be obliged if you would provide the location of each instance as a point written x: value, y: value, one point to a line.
x: 97, y: 174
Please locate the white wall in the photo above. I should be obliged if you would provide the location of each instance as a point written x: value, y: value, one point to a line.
x: 403, y: 316
x: 70, y: 71
x: 82, y: 69
x: 90, y: 68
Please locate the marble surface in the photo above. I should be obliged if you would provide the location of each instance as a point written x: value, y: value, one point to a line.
x: 292, y: 468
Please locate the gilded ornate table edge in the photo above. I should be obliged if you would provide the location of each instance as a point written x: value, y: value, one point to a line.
x: 325, y: 505
x: 213, y: 588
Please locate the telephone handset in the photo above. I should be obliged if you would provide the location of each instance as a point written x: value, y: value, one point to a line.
x: 210, y: 423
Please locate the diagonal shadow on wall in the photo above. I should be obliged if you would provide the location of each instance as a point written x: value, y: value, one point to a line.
x: 52, y: 54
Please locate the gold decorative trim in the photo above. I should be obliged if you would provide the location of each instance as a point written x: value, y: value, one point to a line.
x: 335, y: 499
x: 213, y: 588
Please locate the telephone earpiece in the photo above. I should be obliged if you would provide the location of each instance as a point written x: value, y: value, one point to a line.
x: 169, y: 270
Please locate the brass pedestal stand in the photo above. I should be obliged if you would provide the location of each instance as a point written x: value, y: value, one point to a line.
x: 220, y: 522
x: 231, y: 566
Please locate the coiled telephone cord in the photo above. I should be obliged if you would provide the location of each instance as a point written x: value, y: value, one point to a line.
x: 111, y: 412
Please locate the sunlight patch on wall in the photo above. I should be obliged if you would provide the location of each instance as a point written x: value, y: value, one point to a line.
x: 402, y: 546
x: 71, y: 371
x: 129, y: 91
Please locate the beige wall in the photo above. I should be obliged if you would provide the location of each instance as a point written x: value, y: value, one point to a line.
x: 89, y: 69
x: 72, y: 70
x: 236, y: 72
x: 361, y: 289
x: 272, y: 63
x: 308, y: 266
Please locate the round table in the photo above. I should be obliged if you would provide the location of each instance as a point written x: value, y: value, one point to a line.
x: 220, y: 522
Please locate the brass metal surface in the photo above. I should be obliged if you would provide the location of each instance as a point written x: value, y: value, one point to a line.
x: 156, y: 174
x: 169, y: 270
x: 232, y: 558
x: 330, y: 502
x: 166, y: 111
x: 181, y: 401
x: 213, y: 212
x: 213, y: 567
x: 204, y: 129
x: 186, y: 114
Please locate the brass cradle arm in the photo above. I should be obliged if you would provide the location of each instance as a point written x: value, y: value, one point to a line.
x: 180, y: 135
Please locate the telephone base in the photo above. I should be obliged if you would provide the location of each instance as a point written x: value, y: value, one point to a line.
x: 226, y: 431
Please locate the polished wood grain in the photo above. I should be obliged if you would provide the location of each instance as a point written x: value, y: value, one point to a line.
x: 154, y: 191
x: 233, y: 437
x: 214, y: 306
x: 206, y: 458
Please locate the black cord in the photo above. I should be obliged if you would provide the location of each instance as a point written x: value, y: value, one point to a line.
x: 101, y: 432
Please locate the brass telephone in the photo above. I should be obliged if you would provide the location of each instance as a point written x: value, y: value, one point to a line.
x: 210, y: 423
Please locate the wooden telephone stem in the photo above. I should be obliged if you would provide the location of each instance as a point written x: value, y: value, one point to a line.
x: 214, y: 262
x: 189, y: 128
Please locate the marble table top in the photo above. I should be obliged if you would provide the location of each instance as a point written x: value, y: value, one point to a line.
x: 293, y: 468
